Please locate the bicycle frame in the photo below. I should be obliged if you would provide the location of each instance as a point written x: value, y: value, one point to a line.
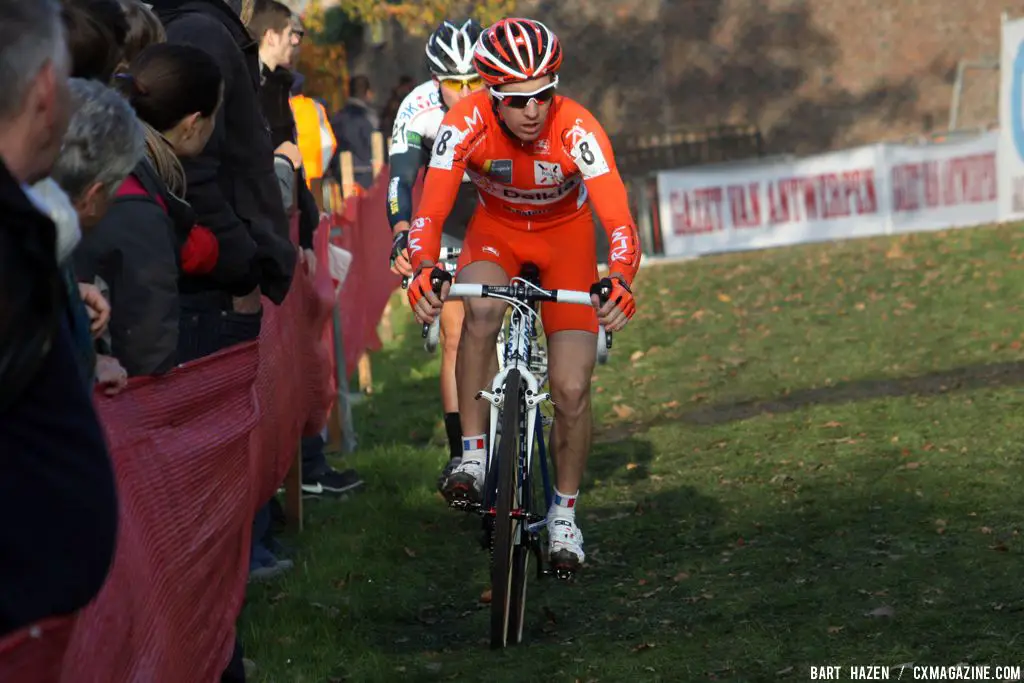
x: 512, y: 528
x: 520, y: 334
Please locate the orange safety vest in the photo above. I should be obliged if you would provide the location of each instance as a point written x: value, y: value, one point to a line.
x: 316, y: 138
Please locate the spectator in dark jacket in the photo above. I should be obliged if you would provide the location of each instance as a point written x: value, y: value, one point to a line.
x: 53, y: 459
x: 354, y: 126
x: 272, y: 25
x: 137, y: 247
x: 232, y: 188
x: 102, y: 145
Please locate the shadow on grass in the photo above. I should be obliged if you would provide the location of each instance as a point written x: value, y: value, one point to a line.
x: 727, y: 594
x: 993, y: 375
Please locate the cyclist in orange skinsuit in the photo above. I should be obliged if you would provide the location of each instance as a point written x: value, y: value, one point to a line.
x: 536, y: 159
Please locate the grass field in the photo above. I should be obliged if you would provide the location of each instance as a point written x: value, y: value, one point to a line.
x: 804, y: 457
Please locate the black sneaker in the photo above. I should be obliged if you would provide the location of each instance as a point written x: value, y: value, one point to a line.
x: 332, y: 483
x: 446, y: 472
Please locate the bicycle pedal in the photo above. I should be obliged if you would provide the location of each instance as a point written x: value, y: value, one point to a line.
x: 461, y: 502
x: 564, y: 573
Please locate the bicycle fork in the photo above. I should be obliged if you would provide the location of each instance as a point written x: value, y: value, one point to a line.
x: 529, y: 530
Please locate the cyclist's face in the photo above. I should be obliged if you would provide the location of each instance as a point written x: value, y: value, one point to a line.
x: 525, y: 106
x: 454, y: 89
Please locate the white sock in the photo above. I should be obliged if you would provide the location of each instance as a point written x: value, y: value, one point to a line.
x: 563, y: 506
x: 474, y: 449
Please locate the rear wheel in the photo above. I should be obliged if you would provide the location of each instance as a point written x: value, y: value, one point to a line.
x: 506, y: 527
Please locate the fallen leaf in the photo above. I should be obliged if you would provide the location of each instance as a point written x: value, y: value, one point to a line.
x: 623, y: 411
x: 885, y: 611
x: 643, y: 646
x: 410, y: 552
x: 631, y: 466
x: 835, y: 629
x: 637, y: 355
x: 485, y: 597
x: 986, y: 530
x: 724, y: 298
x: 832, y: 424
x: 681, y: 576
x: 670, y: 404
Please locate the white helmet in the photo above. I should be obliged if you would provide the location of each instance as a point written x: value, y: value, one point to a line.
x: 450, y: 48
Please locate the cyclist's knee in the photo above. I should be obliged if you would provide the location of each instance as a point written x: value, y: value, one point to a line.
x: 483, y: 317
x: 570, y: 393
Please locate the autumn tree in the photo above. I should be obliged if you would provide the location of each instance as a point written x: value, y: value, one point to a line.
x: 416, y: 17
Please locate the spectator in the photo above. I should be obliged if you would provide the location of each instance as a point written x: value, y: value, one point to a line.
x: 390, y: 111
x: 354, y: 127
x: 234, y: 191
x: 102, y: 145
x: 96, y: 31
x: 272, y: 25
x: 133, y: 249
x: 232, y: 188
x: 144, y: 29
x: 55, y: 463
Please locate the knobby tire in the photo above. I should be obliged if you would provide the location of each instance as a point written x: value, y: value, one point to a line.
x: 506, y: 527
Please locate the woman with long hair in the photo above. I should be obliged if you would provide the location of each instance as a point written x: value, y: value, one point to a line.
x: 148, y: 239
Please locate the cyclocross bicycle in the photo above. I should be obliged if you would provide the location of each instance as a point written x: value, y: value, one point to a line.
x: 514, y: 518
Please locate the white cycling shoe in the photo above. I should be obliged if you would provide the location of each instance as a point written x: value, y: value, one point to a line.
x: 465, y: 484
x: 565, y: 546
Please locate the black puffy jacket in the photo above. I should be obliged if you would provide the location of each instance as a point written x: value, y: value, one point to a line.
x: 32, y: 298
x: 232, y: 185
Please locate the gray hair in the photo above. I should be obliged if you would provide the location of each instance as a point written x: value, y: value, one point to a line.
x: 31, y: 35
x: 104, y: 141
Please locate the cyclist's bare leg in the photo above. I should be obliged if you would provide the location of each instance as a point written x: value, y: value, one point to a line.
x: 475, y: 366
x: 451, y: 329
x: 571, y: 358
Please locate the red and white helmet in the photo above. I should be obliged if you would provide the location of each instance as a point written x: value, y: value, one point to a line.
x: 515, y: 50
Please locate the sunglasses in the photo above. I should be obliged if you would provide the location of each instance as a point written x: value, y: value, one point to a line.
x: 457, y: 84
x: 520, y: 100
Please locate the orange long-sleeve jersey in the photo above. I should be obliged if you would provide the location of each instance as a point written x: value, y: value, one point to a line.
x: 528, y: 186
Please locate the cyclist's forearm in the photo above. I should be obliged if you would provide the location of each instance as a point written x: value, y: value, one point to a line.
x: 404, y: 169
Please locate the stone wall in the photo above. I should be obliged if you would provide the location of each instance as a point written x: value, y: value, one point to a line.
x: 811, y: 74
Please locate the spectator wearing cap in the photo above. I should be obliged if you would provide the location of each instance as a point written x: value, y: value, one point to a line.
x: 55, y: 462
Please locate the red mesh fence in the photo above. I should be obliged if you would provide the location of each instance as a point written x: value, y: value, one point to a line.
x: 195, y: 453
x: 365, y: 232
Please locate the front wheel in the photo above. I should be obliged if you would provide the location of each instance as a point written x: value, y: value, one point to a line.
x: 507, y: 529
